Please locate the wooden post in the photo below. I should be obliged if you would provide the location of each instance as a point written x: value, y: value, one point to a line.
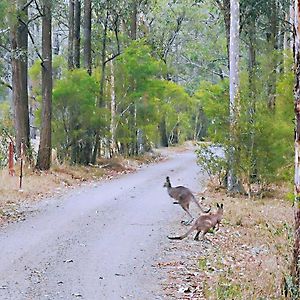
x: 11, y: 159
x: 21, y: 166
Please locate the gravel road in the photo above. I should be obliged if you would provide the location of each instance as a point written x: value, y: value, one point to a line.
x: 97, y: 242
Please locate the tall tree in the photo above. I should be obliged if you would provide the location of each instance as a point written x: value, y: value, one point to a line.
x: 295, y: 270
x: 224, y: 6
x: 19, y: 47
x: 77, y: 18
x: 272, y: 38
x: 44, y: 153
x: 87, y: 23
x: 133, y: 23
x: 71, y: 36
x: 234, y: 90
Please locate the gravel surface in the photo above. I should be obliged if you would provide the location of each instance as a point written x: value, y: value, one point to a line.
x: 102, y: 241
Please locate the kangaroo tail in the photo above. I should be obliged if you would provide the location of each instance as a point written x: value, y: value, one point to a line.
x: 197, y: 203
x: 184, y: 235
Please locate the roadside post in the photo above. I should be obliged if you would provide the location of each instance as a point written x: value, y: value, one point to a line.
x: 21, y: 166
x: 11, y: 159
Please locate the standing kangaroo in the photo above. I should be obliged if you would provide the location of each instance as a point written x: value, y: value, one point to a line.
x: 183, y: 196
x: 204, y: 223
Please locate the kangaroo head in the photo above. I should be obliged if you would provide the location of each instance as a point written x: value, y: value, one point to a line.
x: 167, y: 183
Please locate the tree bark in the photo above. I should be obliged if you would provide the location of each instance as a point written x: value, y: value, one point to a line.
x: 295, y: 271
x: 87, y: 50
x: 234, y: 93
x: 224, y: 6
x: 44, y: 153
x: 163, y: 132
x: 77, y: 15
x: 112, y: 109
x: 272, y: 39
x: 252, y: 173
x: 19, y: 46
x: 133, y: 24
x: 71, y: 36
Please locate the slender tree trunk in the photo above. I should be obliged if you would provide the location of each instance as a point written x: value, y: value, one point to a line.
x: 163, y: 132
x: 224, y: 6
x: 77, y: 15
x: 71, y: 36
x: 112, y: 109
x: 133, y: 35
x: 234, y: 93
x: 295, y: 269
x: 252, y: 174
x: 133, y: 23
x: 100, y: 101
x: 44, y: 153
x: 103, y: 63
x: 292, y: 17
x: 19, y: 45
x: 87, y: 57
x: 272, y: 39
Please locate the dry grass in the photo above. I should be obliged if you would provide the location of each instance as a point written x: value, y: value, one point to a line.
x: 38, y: 185
x: 246, y: 259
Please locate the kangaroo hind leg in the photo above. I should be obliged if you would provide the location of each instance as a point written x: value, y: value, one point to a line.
x: 196, y: 238
x: 186, y: 209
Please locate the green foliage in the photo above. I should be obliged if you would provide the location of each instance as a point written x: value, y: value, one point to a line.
x: 6, y: 131
x: 177, y: 106
x: 214, y: 100
x: 148, y: 97
x: 75, y: 115
x: 212, y: 161
x: 263, y: 138
x: 228, y: 290
x: 290, y: 288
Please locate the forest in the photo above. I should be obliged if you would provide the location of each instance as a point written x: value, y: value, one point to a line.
x: 102, y: 78
x: 91, y: 79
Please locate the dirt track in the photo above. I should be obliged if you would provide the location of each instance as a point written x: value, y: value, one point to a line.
x: 97, y: 242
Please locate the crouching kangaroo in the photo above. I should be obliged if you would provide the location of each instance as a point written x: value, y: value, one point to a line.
x: 203, y: 224
x: 183, y: 197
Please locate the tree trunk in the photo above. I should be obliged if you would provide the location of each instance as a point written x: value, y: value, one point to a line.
x: 133, y: 24
x: 103, y: 63
x: 134, y: 110
x: 44, y: 153
x: 19, y: 46
x: 234, y: 93
x: 224, y: 6
x: 87, y: 57
x: 252, y: 173
x: 292, y: 17
x: 112, y: 109
x: 100, y: 101
x: 163, y: 132
x: 77, y: 15
x: 295, y: 270
x: 71, y: 36
x: 272, y: 39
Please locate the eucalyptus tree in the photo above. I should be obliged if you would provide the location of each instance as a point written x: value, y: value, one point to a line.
x: 19, y: 63
x: 87, y: 23
x: 45, y: 146
x: 71, y: 31
x: 77, y: 22
x: 293, y: 287
x: 234, y: 92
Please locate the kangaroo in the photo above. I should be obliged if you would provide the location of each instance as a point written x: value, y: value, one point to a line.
x: 204, y: 223
x: 183, y: 196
